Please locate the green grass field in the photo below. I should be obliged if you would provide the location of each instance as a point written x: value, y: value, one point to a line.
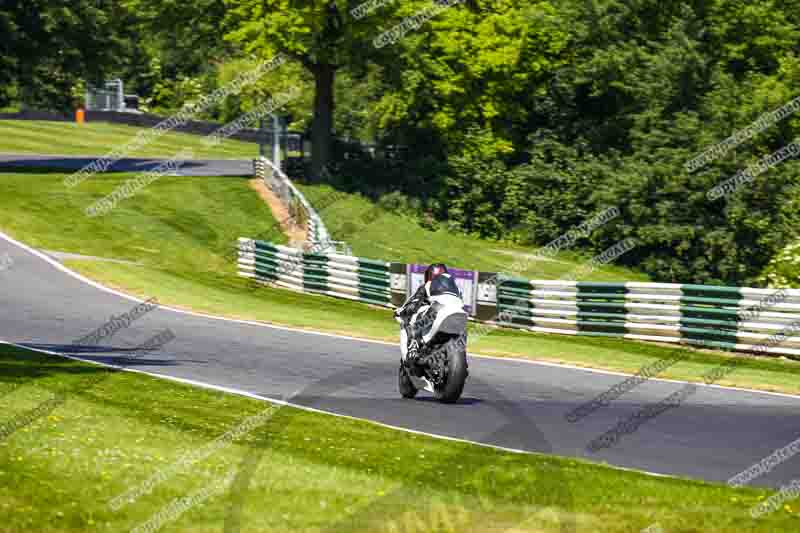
x: 100, y: 138
x: 377, y: 233
x: 180, y: 231
x: 295, y: 470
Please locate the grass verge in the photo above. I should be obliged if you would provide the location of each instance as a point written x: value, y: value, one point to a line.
x: 99, y: 138
x: 377, y: 233
x: 296, y: 471
x: 180, y: 230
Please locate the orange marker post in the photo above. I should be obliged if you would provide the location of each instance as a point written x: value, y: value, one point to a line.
x: 80, y: 116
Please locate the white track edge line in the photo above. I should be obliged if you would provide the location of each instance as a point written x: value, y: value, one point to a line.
x: 240, y: 392
x: 98, y: 286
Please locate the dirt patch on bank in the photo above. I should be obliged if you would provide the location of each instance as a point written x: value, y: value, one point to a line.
x: 295, y: 232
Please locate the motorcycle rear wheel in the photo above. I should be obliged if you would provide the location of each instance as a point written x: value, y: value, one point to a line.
x: 456, y: 372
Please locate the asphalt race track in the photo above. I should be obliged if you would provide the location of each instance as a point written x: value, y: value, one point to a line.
x: 714, y: 435
x: 193, y: 167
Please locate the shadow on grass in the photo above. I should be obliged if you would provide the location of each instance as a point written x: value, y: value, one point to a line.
x: 107, y: 354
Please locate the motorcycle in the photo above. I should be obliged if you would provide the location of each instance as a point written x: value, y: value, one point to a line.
x: 441, y: 365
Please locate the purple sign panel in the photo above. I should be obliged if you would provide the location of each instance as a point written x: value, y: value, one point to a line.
x: 467, y: 281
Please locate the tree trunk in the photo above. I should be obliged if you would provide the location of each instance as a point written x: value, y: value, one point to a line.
x: 322, y: 127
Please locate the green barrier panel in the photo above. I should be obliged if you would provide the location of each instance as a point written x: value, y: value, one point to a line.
x: 714, y: 297
x: 707, y: 315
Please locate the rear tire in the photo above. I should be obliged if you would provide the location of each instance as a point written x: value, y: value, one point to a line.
x: 407, y: 389
x: 457, y: 372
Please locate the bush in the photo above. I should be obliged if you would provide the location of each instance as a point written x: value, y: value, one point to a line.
x: 396, y: 202
x: 298, y: 213
x: 784, y: 269
x: 684, y: 237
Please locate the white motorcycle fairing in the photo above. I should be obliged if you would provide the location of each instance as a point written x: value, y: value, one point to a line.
x: 450, y: 318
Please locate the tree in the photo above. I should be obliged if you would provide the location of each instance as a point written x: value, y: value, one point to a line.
x: 479, y: 65
x: 319, y: 34
x: 48, y: 47
x: 179, y: 45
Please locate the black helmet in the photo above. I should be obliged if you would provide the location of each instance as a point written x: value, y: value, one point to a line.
x: 434, y: 270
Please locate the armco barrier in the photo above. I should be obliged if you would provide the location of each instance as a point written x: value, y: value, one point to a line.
x: 665, y: 312
x: 316, y: 233
x: 730, y: 318
x: 337, y: 275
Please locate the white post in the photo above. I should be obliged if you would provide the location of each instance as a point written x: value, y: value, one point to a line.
x: 276, y: 141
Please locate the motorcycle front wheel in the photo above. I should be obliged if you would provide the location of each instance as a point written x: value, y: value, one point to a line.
x: 455, y: 372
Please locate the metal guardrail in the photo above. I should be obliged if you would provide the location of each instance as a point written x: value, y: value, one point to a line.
x: 730, y: 318
x: 336, y: 275
x: 316, y: 232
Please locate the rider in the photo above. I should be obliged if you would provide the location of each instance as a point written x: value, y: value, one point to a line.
x: 438, y: 282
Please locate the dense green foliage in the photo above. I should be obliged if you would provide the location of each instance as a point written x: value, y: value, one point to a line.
x: 784, y: 269
x: 523, y: 118
x: 48, y: 47
x: 548, y: 112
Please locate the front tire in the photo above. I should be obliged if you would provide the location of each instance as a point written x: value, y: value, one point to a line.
x: 456, y: 372
x: 407, y: 389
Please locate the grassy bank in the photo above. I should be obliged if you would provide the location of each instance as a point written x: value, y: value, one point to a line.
x: 296, y: 471
x: 182, y: 225
x: 374, y: 232
x: 179, y: 231
x: 100, y: 138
